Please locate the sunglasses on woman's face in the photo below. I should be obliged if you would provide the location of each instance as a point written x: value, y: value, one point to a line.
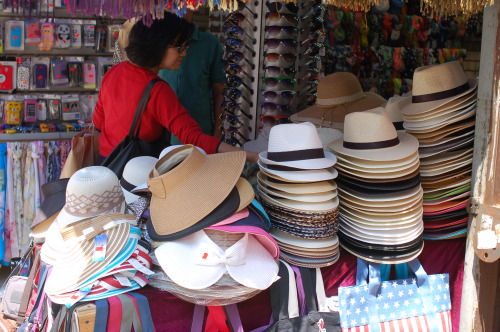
x: 273, y: 107
x: 234, y: 108
x: 236, y: 45
x: 272, y: 82
x: 234, y: 81
x: 275, y: 7
x: 273, y: 57
x: 276, y: 71
x: 276, y: 30
x: 275, y: 43
x: 285, y: 95
x: 235, y: 94
x: 292, y: 19
x: 237, y: 57
x: 273, y: 120
x: 235, y: 69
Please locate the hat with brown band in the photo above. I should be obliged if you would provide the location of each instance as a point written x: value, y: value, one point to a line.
x: 338, y: 94
x: 187, y: 185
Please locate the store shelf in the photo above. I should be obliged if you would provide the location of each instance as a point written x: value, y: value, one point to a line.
x: 36, y: 136
x: 57, y: 52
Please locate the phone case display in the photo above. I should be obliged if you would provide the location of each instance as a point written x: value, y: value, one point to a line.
x: 59, y: 72
x: 40, y: 73
x: 70, y: 108
x: 89, y: 75
x: 14, y: 35
x: 23, y: 73
x: 113, y: 33
x: 100, y: 39
x: 54, y: 108
x: 33, y: 32
x: 89, y: 35
x: 76, y: 35
x: 63, y: 35
x: 41, y: 110
x: 30, y: 110
x: 8, y: 75
x: 13, y: 111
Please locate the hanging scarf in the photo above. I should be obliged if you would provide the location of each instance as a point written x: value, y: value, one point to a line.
x: 3, y: 185
x: 11, y: 242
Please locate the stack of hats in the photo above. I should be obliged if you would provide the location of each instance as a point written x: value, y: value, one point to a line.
x: 94, y: 251
x: 379, y: 189
x: 440, y: 113
x: 295, y: 187
x: 210, y: 237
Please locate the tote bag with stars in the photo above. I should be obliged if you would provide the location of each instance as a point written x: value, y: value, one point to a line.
x: 421, y: 303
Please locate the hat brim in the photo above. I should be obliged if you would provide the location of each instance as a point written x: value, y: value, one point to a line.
x: 375, y: 166
x: 304, y: 176
x: 382, y: 199
x: 39, y: 231
x: 310, y: 198
x: 453, y: 107
x: 432, y: 136
x: 438, y: 122
x: 309, y: 262
x: 379, y: 219
x: 302, y: 206
x: 381, y: 174
x: 293, y: 188
x: 379, y: 237
x: 333, y: 117
x: 299, y: 242
x: 406, y: 147
x: 311, y: 164
x: 376, y: 187
x: 245, y: 192
x: 417, y: 108
x: 444, y: 124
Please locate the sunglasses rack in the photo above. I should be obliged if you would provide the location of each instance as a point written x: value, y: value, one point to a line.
x: 242, y: 37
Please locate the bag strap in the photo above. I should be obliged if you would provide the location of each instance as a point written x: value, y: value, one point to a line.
x: 23, y: 307
x: 141, y: 107
x: 309, y: 282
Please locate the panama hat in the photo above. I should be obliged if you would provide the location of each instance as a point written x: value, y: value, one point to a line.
x: 187, y: 185
x: 375, y: 187
x: 311, y: 198
x: 135, y: 173
x: 368, y: 165
x: 379, y: 180
x: 328, y: 135
x: 449, y: 112
x: 296, y: 188
x: 197, y: 262
x: 380, y: 173
x: 298, y: 146
x: 297, y: 174
x: 302, y: 206
x: 443, y: 132
x: 371, y: 135
x: 338, y: 94
x: 440, y: 120
x: 90, y: 191
x: 72, y: 249
x: 437, y: 85
x: 305, y: 244
x: 393, y: 109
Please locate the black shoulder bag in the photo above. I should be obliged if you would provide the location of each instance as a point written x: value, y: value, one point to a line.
x: 132, y: 146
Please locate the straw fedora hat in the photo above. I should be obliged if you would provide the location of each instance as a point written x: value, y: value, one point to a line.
x: 135, y: 173
x: 338, y: 94
x: 371, y: 135
x: 393, y: 109
x: 349, y: 161
x: 187, y: 185
x: 296, y: 174
x: 296, y: 188
x: 437, y: 85
x: 298, y: 146
x: 311, y: 198
x: 91, y: 191
x: 301, y: 206
x: 450, y: 108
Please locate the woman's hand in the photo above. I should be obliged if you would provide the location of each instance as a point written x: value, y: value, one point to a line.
x: 251, y: 156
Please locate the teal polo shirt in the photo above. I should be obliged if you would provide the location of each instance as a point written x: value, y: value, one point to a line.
x: 192, y: 83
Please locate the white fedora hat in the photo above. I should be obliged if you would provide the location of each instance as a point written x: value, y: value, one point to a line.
x: 327, y: 205
x: 437, y: 85
x: 374, y: 164
x: 296, y: 188
x: 298, y: 175
x: 371, y: 135
x: 297, y: 145
x: 310, y: 198
x: 91, y: 191
x: 135, y: 173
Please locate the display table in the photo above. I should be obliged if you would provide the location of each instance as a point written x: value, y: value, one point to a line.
x: 447, y: 256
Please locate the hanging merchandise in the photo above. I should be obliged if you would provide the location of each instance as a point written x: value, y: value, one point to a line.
x: 46, y: 37
x: 33, y: 32
x: 8, y: 76
x: 14, y: 35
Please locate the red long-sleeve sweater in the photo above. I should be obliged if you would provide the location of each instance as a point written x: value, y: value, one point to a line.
x: 121, y: 89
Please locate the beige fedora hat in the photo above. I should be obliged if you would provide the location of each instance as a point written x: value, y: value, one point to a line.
x: 296, y: 188
x: 379, y: 173
x: 301, y: 206
x: 445, y: 119
x: 437, y: 85
x: 393, y: 109
x: 187, y: 185
x: 447, y: 158
x: 379, y: 168
x: 371, y: 135
x: 371, y: 164
x: 436, y: 136
x: 338, y: 94
x: 312, y: 198
x: 452, y: 107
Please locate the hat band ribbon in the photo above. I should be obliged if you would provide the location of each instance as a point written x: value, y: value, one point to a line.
x: 441, y: 94
x: 281, y: 168
x: 371, y: 145
x: 398, y: 125
x: 296, y: 155
x: 127, y: 185
x: 339, y: 100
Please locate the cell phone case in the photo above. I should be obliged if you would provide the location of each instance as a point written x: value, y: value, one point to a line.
x: 54, y: 108
x: 89, y: 75
x: 13, y: 112
x: 15, y: 35
x: 23, y: 78
x: 46, y: 37
x: 40, y: 76
x: 75, y: 73
x: 59, y: 72
x: 41, y: 110
x: 63, y: 36
x: 33, y: 33
x: 100, y: 41
x: 76, y: 35
x: 88, y: 35
x: 6, y: 77
x: 30, y: 110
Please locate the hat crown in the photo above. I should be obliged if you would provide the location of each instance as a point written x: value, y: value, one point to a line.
x: 369, y: 126
x: 394, y: 106
x: 438, y: 78
x: 338, y: 88
x: 294, y: 137
x: 53, y: 187
x: 136, y: 170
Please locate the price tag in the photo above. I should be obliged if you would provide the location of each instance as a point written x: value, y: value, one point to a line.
x: 486, y: 237
x: 100, y: 242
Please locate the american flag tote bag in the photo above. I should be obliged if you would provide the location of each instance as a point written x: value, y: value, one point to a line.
x: 417, y: 304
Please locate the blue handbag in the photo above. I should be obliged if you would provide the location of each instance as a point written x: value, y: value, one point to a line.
x: 420, y: 303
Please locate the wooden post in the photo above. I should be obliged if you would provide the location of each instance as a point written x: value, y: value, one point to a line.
x: 480, y: 279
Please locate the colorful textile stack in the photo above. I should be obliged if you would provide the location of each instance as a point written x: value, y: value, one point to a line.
x: 440, y: 113
x: 379, y: 189
x: 295, y: 187
x: 210, y: 238
x: 94, y: 252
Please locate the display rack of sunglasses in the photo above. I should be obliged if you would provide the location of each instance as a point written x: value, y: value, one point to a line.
x: 216, y: 20
x: 273, y: 63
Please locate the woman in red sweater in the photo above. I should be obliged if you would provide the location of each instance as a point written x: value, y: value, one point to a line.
x: 161, y: 46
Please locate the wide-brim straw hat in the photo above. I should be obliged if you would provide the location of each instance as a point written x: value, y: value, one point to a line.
x: 311, y: 198
x: 301, y: 206
x: 298, y: 146
x: 197, y: 262
x: 187, y: 185
x: 54, y: 198
x: 442, y: 120
x: 393, y: 109
x: 389, y: 199
x: 135, y: 173
x: 371, y: 135
x: 350, y: 161
x: 338, y: 94
x: 296, y: 188
x: 72, y: 249
x: 453, y: 107
x: 298, y: 175
x: 303, y: 243
x: 437, y: 85
x: 375, y: 187
x: 91, y: 191
x: 381, y: 173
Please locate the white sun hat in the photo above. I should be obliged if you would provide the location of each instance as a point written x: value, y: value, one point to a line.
x: 135, y: 173
x: 297, y: 145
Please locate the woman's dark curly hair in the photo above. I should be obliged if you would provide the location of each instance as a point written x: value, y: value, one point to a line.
x: 147, y: 45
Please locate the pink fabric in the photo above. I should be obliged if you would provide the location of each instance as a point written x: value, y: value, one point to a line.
x: 444, y: 256
x: 234, y: 218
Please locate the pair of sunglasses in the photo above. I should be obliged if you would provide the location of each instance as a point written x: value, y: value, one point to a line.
x: 292, y: 19
x: 273, y: 120
x: 235, y: 94
x: 232, y: 130
x: 234, y: 81
x: 235, y: 69
x: 285, y: 95
x: 275, y: 7
x: 272, y: 82
x: 234, y: 108
x: 237, y: 57
x: 276, y: 30
x: 234, y: 44
x: 275, y: 43
x: 235, y: 31
x: 273, y: 107
x: 274, y: 57
x: 276, y: 71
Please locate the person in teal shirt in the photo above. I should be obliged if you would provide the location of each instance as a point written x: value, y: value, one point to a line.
x: 199, y: 83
